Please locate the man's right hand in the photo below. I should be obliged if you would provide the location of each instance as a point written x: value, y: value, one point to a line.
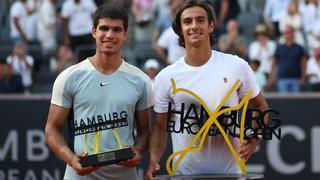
x: 82, y: 171
x: 153, y: 168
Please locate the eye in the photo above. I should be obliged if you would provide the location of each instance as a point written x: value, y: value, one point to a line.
x: 103, y: 28
x: 187, y: 21
x: 117, y: 29
x: 200, y: 19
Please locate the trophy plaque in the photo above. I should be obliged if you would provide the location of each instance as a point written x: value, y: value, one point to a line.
x: 106, y: 158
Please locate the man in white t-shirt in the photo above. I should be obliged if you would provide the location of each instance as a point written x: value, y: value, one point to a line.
x: 108, y: 99
x: 168, y: 40
x: 18, y: 21
x: 210, y: 75
x: 77, y: 22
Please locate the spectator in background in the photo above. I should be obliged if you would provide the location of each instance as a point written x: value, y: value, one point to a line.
x: 77, y: 22
x: 9, y: 83
x: 168, y: 48
x: 273, y: 11
x: 47, y: 21
x: 233, y: 42
x: 311, y: 14
x: 291, y: 60
x: 313, y: 70
x: 152, y: 67
x: 143, y: 11
x: 164, y: 20
x: 160, y: 6
x: 22, y: 64
x: 64, y: 60
x: 262, y: 48
x: 18, y: 21
x: 258, y: 74
x: 294, y: 19
x: 33, y: 6
x: 224, y: 11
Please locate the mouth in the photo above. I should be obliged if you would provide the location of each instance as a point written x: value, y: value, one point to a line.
x: 195, y: 35
x: 108, y: 43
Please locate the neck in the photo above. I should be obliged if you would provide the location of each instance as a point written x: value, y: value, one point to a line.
x: 289, y: 43
x: 106, y: 63
x: 197, y: 56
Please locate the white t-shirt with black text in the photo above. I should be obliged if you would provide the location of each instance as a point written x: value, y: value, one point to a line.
x: 210, y: 82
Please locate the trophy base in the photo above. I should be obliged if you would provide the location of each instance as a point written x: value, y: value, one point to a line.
x: 106, y: 158
x: 211, y: 177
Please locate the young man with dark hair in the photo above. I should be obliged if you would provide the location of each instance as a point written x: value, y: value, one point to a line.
x: 210, y: 75
x: 100, y: 91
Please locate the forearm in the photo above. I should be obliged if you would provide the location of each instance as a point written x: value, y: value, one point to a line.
x: 260, y: 103
x: 158, y: 144
x: 304, y: 69
x: 272, y: 76
x: 17, y: 24
x: 65, y: 28
x: 223, y: 11
x: 161, y: 53
x: 142, y: 142
x: 58, y: 145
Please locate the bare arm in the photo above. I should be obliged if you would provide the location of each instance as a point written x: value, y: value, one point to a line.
x: 272, y: 75
x: 142, y: 140
x: 143, y: 130
x: 223, y: 12
x: 56, y: 141
x: 159, y: 50
x: 303, y: 71
x: 248, y: 147
x: 161, y: 53
x: 66, y: 39
x: 155, y: 35
x: 158, y: 143
x: 16, y: 22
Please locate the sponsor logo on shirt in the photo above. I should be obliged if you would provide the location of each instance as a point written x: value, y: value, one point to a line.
x: 193, y: 117
x: 100, y: 122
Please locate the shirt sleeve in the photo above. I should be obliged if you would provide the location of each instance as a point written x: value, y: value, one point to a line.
x: 163, y: 40
x: 248, y: 82
x: 92, y: 7
x: 61, y: 93
x: 65, y: 12
x: 161, y: 94
x: 146, y: 98
x: 16, y: 10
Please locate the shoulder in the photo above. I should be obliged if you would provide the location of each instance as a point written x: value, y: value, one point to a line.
x: 67, y: 3
x: 16, y: 7
x: 170, y: 70
x: 134, y: 71
x: 254, y: 44
x: 229, y: 58
x: 72, y: 72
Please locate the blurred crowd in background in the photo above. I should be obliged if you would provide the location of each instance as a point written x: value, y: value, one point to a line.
x: 279, y: 38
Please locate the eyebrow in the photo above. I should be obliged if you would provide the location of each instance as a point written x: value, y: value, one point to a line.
x: 111, y: 27
x: 197, y: 17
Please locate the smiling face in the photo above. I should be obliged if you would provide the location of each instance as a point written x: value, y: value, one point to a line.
x: 110, y: 35
x: 195, y: 27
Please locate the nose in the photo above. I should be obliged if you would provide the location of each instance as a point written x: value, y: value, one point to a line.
x: 194, y: 25
x: 109, y: 34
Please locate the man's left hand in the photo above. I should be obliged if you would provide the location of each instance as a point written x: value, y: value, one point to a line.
x: 134, y: 161
x: 247, y: 148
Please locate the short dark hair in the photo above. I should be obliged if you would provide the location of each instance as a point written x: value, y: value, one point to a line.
x: 176, y: 24
x: 113, y: 11
x: 255, y: 61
